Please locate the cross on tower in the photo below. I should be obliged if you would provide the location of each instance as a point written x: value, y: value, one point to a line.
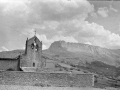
x: 35, y: 32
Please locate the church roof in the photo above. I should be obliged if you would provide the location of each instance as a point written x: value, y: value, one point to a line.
x: 8, y: 58
x: 33, y: 38
x: 10, y: 55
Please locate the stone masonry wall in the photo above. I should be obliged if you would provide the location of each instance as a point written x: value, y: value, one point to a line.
x: 46, y: 79
x: 9, y: 64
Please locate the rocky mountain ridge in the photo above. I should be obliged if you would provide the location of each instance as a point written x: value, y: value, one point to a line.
x: 86, y: 52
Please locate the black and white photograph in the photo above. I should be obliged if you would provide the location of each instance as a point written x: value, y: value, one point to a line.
x: 59, y: 45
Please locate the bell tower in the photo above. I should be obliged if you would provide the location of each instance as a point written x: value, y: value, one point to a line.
x: 32, y: 60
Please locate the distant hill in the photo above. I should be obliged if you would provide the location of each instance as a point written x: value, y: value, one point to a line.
x: 11, y: 54
x: 84, y: 53
x: 101, y: 61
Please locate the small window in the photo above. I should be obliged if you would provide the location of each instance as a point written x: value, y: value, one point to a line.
x: 33, y: 64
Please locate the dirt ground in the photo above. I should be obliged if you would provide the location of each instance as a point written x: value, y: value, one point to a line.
x: 15, y: 87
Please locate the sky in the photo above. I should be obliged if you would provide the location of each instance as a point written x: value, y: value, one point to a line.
x: 90, y: 22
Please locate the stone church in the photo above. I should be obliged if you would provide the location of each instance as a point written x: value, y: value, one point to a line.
x: 30, y: 61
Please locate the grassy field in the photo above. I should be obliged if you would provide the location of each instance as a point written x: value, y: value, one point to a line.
x: 15, y: 87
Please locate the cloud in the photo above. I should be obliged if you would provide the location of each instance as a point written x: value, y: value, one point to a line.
x: 23, y: 14
x: 58, y: 25
x: 67, y: 39
x: 98, y: 35
x: 88, y: 43
x: 103, y: 11
x: 44, y: 47
x: 53, y: 20
x: 85, y: 32
x: 15, y: 7
x: 60, y: 10
x: 4, y: 48
x: 113, y: 9
x: 88, y: 33
x: 94, y: 14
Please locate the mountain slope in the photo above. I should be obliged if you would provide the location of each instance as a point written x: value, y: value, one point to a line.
x: 84, y: 52
x: 11, y: 54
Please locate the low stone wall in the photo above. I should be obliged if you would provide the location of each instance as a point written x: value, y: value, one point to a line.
x: 46, y: 79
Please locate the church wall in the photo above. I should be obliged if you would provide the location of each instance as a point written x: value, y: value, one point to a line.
x: 9, y: 65
x: 46, y: 79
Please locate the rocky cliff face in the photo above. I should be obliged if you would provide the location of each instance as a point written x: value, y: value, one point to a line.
x: 86, y: 52
x: 79, y: 47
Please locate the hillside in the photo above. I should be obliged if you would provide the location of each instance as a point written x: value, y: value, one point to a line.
x: 101, y: 61
x: 11, y: 54
x: 84, y: 53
